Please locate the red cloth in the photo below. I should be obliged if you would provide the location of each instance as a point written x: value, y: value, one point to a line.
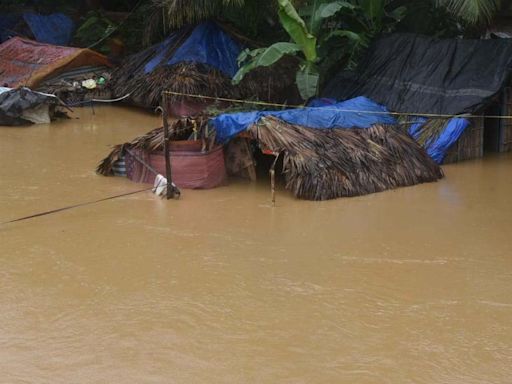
x: 190, y: 170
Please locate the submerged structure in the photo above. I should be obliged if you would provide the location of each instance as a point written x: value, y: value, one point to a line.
x: 198, y: 60
x: 50, y: 68
x: 417, y: 75
x: 327, y: 151
x: 23, y: 106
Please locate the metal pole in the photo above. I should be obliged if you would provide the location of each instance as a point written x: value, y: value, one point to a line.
x: 168, y: 172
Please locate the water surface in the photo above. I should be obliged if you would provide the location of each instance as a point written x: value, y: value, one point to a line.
x: 406, y: 286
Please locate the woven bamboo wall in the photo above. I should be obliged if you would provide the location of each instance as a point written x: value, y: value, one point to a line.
x: 506, y: 124
x: 470, y: 145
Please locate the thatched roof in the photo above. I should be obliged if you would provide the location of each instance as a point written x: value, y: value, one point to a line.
x: 322, y: 164
x: 327, y: 164
x: 173, y: 71
x: 153, y: 140
x: 191, y: 78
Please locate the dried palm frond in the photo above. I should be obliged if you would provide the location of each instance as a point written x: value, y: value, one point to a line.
x: 199, y: 79
x: 274, y: 84
x: 183, y: 12
x: 327, y: 164
x: 153, y: 140
x: 431, y: 130
x: 186, y: 78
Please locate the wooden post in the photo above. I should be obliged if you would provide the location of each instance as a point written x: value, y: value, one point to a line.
x: 273, y: 179
x: 273, y: 186
x: 168, y: 172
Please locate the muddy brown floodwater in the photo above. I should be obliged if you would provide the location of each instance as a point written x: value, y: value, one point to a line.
x: 406, y: 286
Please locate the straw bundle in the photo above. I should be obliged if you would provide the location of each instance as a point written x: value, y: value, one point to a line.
x: 327, y: 164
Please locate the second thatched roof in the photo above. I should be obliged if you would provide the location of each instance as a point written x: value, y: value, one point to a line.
x: 199, y: 61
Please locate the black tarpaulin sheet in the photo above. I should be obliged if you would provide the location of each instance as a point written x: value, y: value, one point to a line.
x: 415, y: 74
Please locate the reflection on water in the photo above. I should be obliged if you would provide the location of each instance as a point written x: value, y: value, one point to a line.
x: 405, y: 286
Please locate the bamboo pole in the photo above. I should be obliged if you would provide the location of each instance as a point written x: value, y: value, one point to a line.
x: 168, y: 171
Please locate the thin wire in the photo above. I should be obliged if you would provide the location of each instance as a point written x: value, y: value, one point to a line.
x: 67, y: 208
x: 300, y: 106
x: 99, y: 101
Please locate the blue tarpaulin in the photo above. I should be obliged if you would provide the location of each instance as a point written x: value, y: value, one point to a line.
x: 160, y: 54
x: 207, y: 44
x: 55, y: 29
x: 452, y: 132
x: 359, y: 112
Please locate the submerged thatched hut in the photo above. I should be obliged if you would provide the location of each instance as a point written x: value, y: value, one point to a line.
x: 53, y: 69
x: 198, y: 60
x: 327, y: 152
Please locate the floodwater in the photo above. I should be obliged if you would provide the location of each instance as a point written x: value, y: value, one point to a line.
x: 406, y: 286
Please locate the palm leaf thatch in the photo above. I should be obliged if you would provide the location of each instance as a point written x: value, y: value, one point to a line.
x: 319, y: 164
x: 327, y: 164
x: 472, y: 11
x: 186, y: 78
x: 273, y: 84
x: 183, y: 12
x: 153, y: 140
x: 431, y: 130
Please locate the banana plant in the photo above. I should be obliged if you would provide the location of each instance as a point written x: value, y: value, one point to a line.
x: 321, y: 32
x: 304, y: 44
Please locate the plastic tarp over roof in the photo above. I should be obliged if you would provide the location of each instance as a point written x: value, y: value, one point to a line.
x: 55, y: 28
x: 355, y: 113
x: 414, y: 74
x: 207, y: 44
x: 26, y: 62
x: 438, y: 148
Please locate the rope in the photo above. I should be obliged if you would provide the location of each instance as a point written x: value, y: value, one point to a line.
x: 99, y: 101
x: 74, y: 206
x: 300, y: 106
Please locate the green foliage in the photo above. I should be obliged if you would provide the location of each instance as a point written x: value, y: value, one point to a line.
x: 308, y: 80
x: 425, y: 19
x: 256, y: 18
x: 472, y: 12
x: 93, y: 29
x: 264, y: 57
x: 326, y: 35
x: 296, y: 28
x: 183, y: 12
x: 304, y: 47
